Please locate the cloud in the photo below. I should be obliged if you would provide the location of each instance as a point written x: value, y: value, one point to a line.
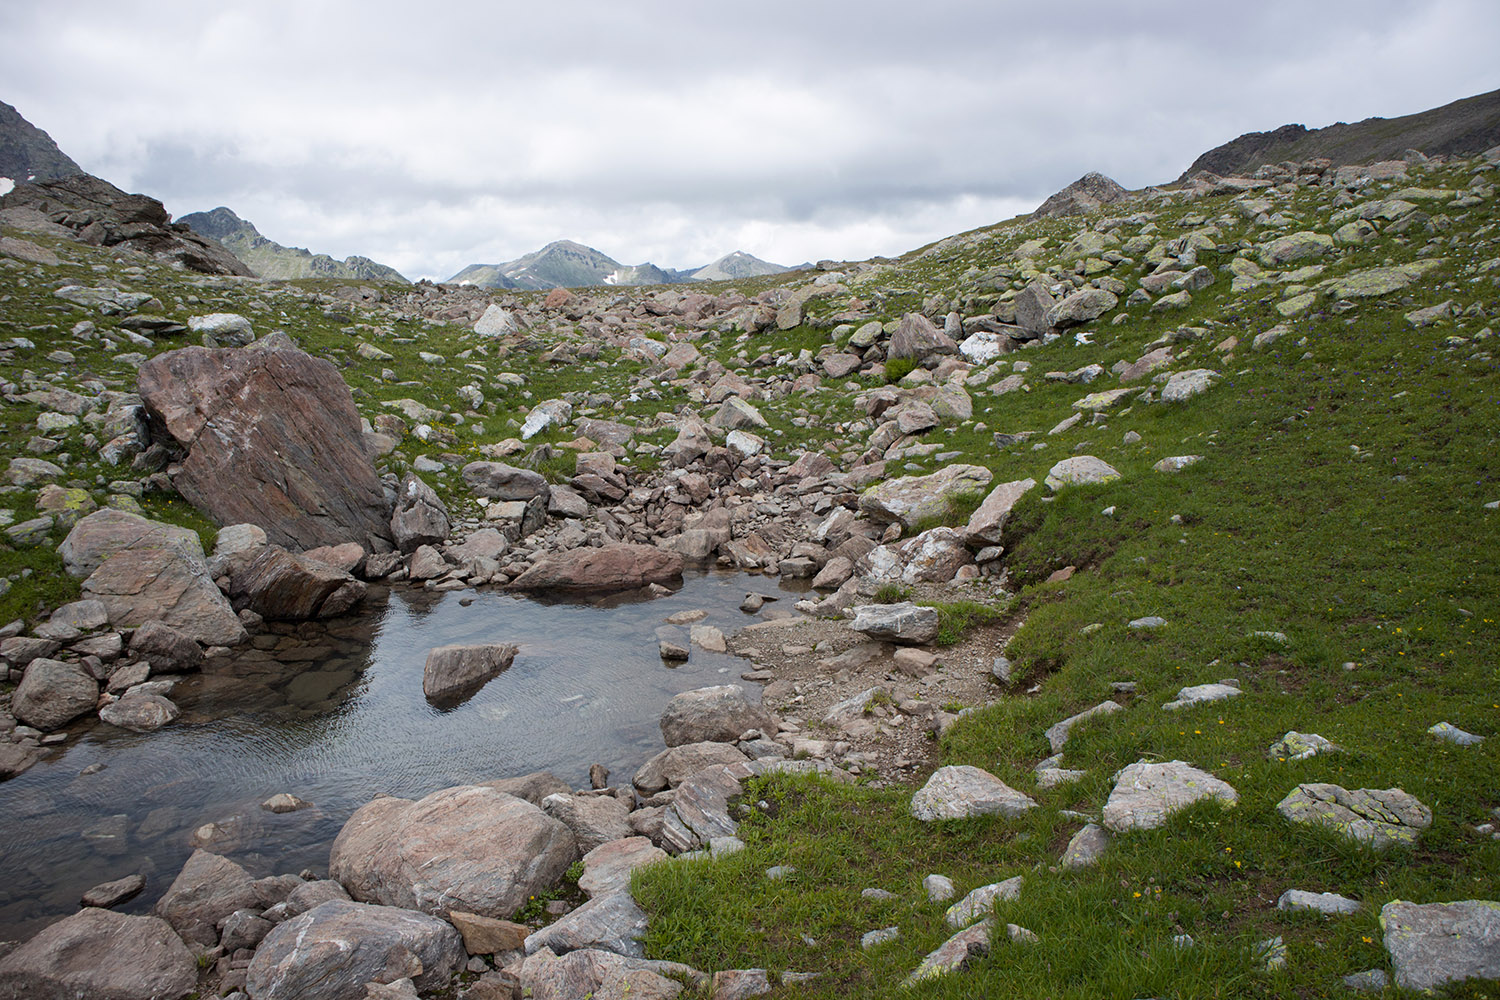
x: 658, y: 131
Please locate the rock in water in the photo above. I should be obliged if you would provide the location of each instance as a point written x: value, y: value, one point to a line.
x: 452, y: 672
x: 103, y: 956
x: 334, y: 949
x: 717, y: 714
x: 54, y: 693
x: 271, y: 438
x: 467, y: 848
x: 609, y: 567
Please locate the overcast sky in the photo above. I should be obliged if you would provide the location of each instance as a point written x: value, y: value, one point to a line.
x: 434, y: 136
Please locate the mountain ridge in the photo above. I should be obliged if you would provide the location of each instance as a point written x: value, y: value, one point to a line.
x: 1460, y: 128
x: 29, y: 154
x: 568, y: 264
x: 269, y: 259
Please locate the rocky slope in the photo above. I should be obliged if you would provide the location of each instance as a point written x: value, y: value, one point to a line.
x: 1149, y: 438
x: 269, y: 259
x: 1462, y: 128
x: 29, y: 154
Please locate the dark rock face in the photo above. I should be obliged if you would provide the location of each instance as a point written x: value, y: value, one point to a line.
x: 1082, y: 196
x: 272, y: 438
x: 281, y: 585
x: 98, y: 213
x: 610, y: 567
x: 28, y: 153
x: 102, y: 956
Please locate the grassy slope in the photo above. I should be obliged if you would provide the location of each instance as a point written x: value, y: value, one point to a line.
x: 1377, y: 564
x: 1381, y: 557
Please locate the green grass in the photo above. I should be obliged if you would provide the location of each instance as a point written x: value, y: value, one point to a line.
x: 956, y: 618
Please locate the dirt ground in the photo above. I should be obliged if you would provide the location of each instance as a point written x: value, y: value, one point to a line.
x: 809, y: 665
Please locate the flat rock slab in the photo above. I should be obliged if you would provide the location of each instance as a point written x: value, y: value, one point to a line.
x: 1200, y: 694
x: 1326, y: 903
x: 1086, y: 847
x: 611, y: 922
x: 962, y: 791
x: 272, y: 438
x: 607, y: 868
x: 978, y: 903
x: 169, y: 586
x: 1057, y: 733
x: 1378, y: 818
x: 334, y: 949
x: 953, y: 954
x: 469, y: 848
x: 140, y: 713
x: 1442, y: 942
x: 101, y: 955
x: 108, y: 531
x: 912, y: 499
x: 905, y: 623
x: 1146, y: 793
x: 607, y: 568
x: 673, y: 765
x: 545, y: 975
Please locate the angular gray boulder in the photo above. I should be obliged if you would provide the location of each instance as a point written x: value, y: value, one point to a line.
x: 54, y: 693
x: 421, y: 517
x: 611, y: 923
x: 961, y: 792
x: 455, y: 671
x: 101, y: 955
x: 499, y: 481
x: 1148, y: 792
x: 165, y: 585
x: 1439, y: 943
x: 913, y: 499
x: 1376, y: 817
x: 905, y: 622
x: 280, y: 585
x: 208, y: 889
x: 331, y: 952
x: 271, y: 437
x: 718, y: 714
x: 106, y: 532
x: 466, y: 848
x: 918, y: 339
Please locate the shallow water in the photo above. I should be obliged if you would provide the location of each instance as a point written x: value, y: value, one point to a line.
x: 335, y: 716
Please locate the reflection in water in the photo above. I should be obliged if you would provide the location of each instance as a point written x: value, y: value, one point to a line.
x: 334, y: 715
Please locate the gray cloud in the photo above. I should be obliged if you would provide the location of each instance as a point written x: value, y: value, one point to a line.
x: 657, y: 130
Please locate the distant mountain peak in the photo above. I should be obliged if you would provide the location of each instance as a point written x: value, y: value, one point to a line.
x: 567, y: 264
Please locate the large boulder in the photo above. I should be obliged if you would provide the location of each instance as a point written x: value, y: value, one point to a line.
x: 612, y: 923
x: 719, y: 714
x: 499, y: 481
x: 1376, y: 817
x: 101, y: 955
x: 961, y: 792
x: 1081, y: 307
x: 169, y: 586
x: 272, y: 438
x: 917, y: 338
x: 1033, y: 303
x: 904, y: 622
x: 609, y: 567
x: 421, y: 517
x: 53, y: 694
x: 1441, y: 943
x: 208, y: 889
x: 281, y: 585
x: 675, y: 764
x: 913, y: 499
x: 109, y: 531
x: 594, y: 819
x: 453, y: 672
x: 333, y: 950
x: 988, y: 522
x: 466, y: 848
